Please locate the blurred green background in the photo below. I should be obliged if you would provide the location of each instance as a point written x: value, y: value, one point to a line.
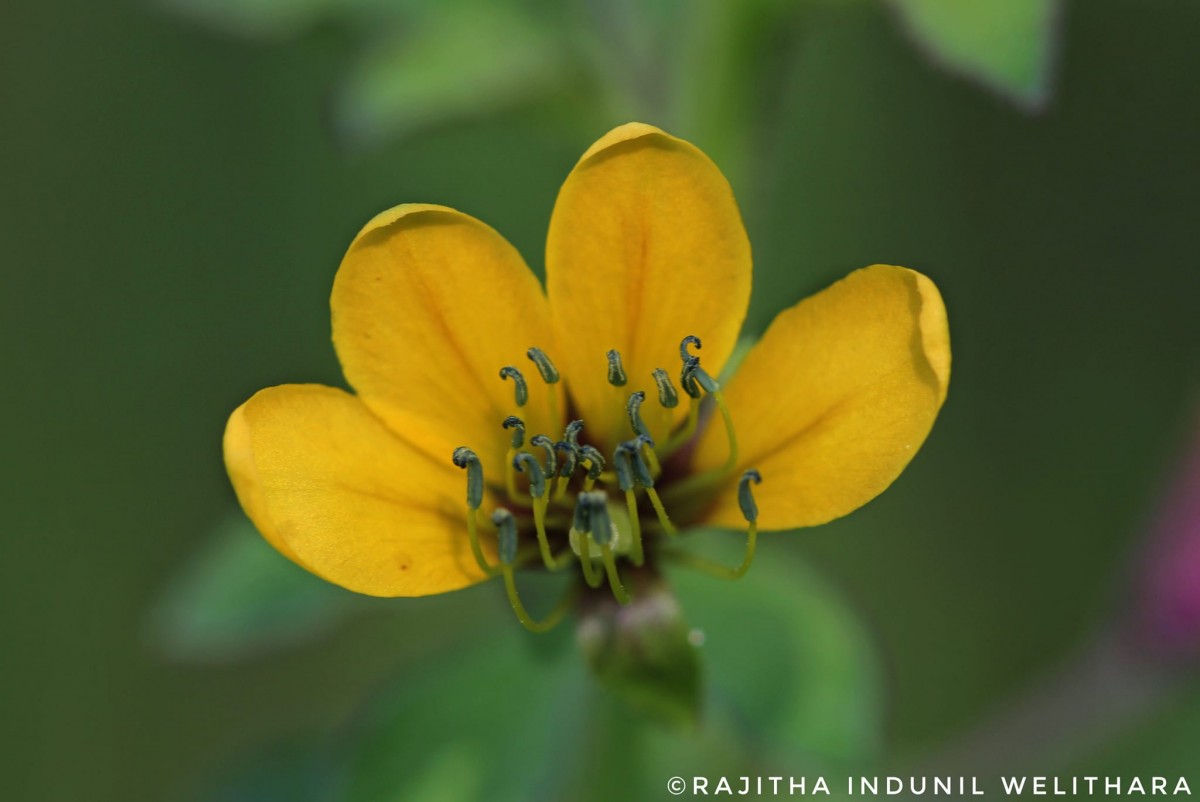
x: 179, y: 184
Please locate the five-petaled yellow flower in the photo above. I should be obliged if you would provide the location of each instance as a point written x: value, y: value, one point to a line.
x: 582, y: 419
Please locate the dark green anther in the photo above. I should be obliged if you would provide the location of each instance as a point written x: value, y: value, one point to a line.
x: 566, y: 466
x: 746, y: 497
x: 522, y: 390
x: 691, y: 339
x: 506, y: 529
x: 571, y: 433
x: 641, y: 471
x: 622, y: 463
x: 518, y: 427
x: 582, y: 520
x: 616, y: 371
x: 666, y: 391
x: 633, y: 409
x: 527, y: 464
x: 690, y: 366
x: 466, y: 458
x: 545, y: 367
x: 595, y: 461
x: 545, y: 443
x: 602, y: 529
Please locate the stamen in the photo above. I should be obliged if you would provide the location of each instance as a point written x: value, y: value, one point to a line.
x: 550, y: 377
x: 567, y: 464
x: 465, y: 458
x: 582, y: 525
x: 616, y: 371
x: 566, y: 467
x: 546, y: 444
x: 623, y: 463
x: 685, y: 377
x: 595, y: 461
x: 506, y: 527
x: 602, y: 532
x: 518, y: 427
x: 518, y: 440
x: 571, y: 433
x: 641, y: 471
x: 527, y: 463
x: 545, y: 367
x: 691, y: 339
x: 522, y: 389
x: 667, y: 396
x: 750, y: 513
x: 633, y: 409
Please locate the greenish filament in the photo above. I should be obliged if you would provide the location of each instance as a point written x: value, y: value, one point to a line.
x: 716, y: 569
x: 614, y: 576
x: 675, y: 441
x: 591, y: 576
x: 661, y: 512
x: 476, y: 549
x: 550, y: 621
x: 539, y: 521
x: 647, y: 447
x: 637, y: 554
x: 731, y: 460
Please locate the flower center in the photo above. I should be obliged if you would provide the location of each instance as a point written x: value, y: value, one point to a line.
x: 584, y: 508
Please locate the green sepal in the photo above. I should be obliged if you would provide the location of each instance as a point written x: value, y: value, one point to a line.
x: 641, y: 651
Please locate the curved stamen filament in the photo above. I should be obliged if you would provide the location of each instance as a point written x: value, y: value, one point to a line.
x: 661, y: 512
x: 750, y: 513
x: 476, y: 549
x: 506, y: 527
x: 636, y: 553
x: 552, y: 619
x: 539, y: 521
x: 614, y: 576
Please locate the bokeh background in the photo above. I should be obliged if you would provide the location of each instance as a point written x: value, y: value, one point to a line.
x: 180, y: 179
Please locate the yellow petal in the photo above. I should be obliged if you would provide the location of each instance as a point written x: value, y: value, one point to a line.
x: 337, y: 492
x: 646, y: 246
x: 836, y: 398
x: 428, y: 305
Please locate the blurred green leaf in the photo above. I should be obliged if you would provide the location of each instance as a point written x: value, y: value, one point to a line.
x: 238, y: 596
x: 641, y: 651
x: 497, y: 719
x: 293, y: 772
x: 459, y: 60
x: 790, y: 666
x: 1007, y: 45
x: 253, y: 18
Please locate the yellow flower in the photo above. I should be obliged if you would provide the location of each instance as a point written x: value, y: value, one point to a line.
x: 449, y: 341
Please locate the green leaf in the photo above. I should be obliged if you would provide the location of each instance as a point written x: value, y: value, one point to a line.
x: 499, y: 719
x: 253, y: 18
x: 238, y: 596
x: 1007, y: 45
x: 790, y: 665
x: 292, y: 772
x: 458, y: 60
x: 642, y: 652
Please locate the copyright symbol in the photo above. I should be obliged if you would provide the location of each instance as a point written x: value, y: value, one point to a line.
x: 676, y: 785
